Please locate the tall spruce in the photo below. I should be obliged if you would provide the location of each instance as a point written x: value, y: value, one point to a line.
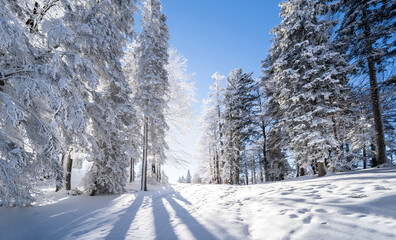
x: 30, y: 144
x: 367, y: 36
x: 310, y: 79
x: 112, y: 113
x: 211, y: 142
x: 239, y: 97
x: 152, y: 85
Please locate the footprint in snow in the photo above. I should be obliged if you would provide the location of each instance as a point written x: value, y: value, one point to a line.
x: 286, y: 193
x: 283, y: 211
x: 377, y: 187
x: 307, y: 220
x: 303, y: 210
x: 355, y: 195
x: 293, y: 216
x: 321, y: 211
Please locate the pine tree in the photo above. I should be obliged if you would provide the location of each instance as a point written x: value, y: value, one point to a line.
x: 239, y: 97
x: 188, y: 177
x: 218, y: 161
x: 152, y: 85
x: 72, y: 77
x: 367, y: 36
x: 310, y: 79
x: 111, y: 112
x: 29, y: 140
x: 208, y: 140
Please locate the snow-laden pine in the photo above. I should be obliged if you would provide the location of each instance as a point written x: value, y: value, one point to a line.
x: 151, y: 84
x: 310, y: 78
x: 30, y: 144
x: 112, y: 114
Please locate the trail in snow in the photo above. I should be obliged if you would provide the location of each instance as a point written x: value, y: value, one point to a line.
x: 356, y: 205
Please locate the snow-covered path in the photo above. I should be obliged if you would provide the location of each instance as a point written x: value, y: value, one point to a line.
x: 356, y: 205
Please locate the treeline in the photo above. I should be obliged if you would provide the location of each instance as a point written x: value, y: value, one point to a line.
x: 70, y: 91
x: 325, y: 101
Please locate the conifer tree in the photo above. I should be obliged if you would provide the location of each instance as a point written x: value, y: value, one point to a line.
x: 29, y: 141
x: 367, y: 37
x: 111, y: 111
x: 188, y: 177
x: 152, y: 85
x: 239, y: 97
x: 310, y: 79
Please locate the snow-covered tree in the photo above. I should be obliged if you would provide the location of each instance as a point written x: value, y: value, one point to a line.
x: 151, y: 82
x: 238, y: 117
x: 217, y: 126
x: 367, y: 37
x: 179, y: 113
x: 270, y: 137
x: 311, y: 83
x: 188, y: 177
x: 207, y: 144
x: 29, y: 142
x: 111, y: 112
x: 72, y: 76
x: 211, y: 143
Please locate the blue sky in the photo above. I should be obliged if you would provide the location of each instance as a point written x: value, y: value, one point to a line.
x: 218, y: 36
x: 221, y: 35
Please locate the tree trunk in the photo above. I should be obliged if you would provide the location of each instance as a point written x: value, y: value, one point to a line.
x: 261, y: 168
x: 265, y: 160
x: 246, y: 174
x: 220, y: 139
x: 93, y: 191
x: 217, y: 167
x: 297, y: 170
x: 132, y: 171
x: 364, y: 157
x: 378, y: 122
x: 237, y: 170
x: 253, y: 170
x: 58, y: 181
x: 211, y: 167
x: 158, y: 172
x: 230, y: 181
x: 69, y: 167
x: 302, y: 171
x: 144, y: 162
x: 214, y: 180
x: 374, y: 157
x: 321, y: 169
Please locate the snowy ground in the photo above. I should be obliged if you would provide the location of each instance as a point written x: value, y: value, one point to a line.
x: 357, y: 205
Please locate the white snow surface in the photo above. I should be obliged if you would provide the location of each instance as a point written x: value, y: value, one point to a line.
x: 355, y: 205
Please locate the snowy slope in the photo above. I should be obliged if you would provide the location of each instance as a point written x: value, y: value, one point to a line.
x: 356, y: 205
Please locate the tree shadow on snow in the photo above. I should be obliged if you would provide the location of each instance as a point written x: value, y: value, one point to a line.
x: 71, y: 218
x: 163, y: 228
x: 123, y: 223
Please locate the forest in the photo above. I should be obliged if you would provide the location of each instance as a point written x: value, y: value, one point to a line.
x: 94, y: 90
x: 325, y: 101
x: 75, y: 88
x: 70, y: 86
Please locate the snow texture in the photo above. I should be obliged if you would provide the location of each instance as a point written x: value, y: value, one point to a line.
x: 355, y: 205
